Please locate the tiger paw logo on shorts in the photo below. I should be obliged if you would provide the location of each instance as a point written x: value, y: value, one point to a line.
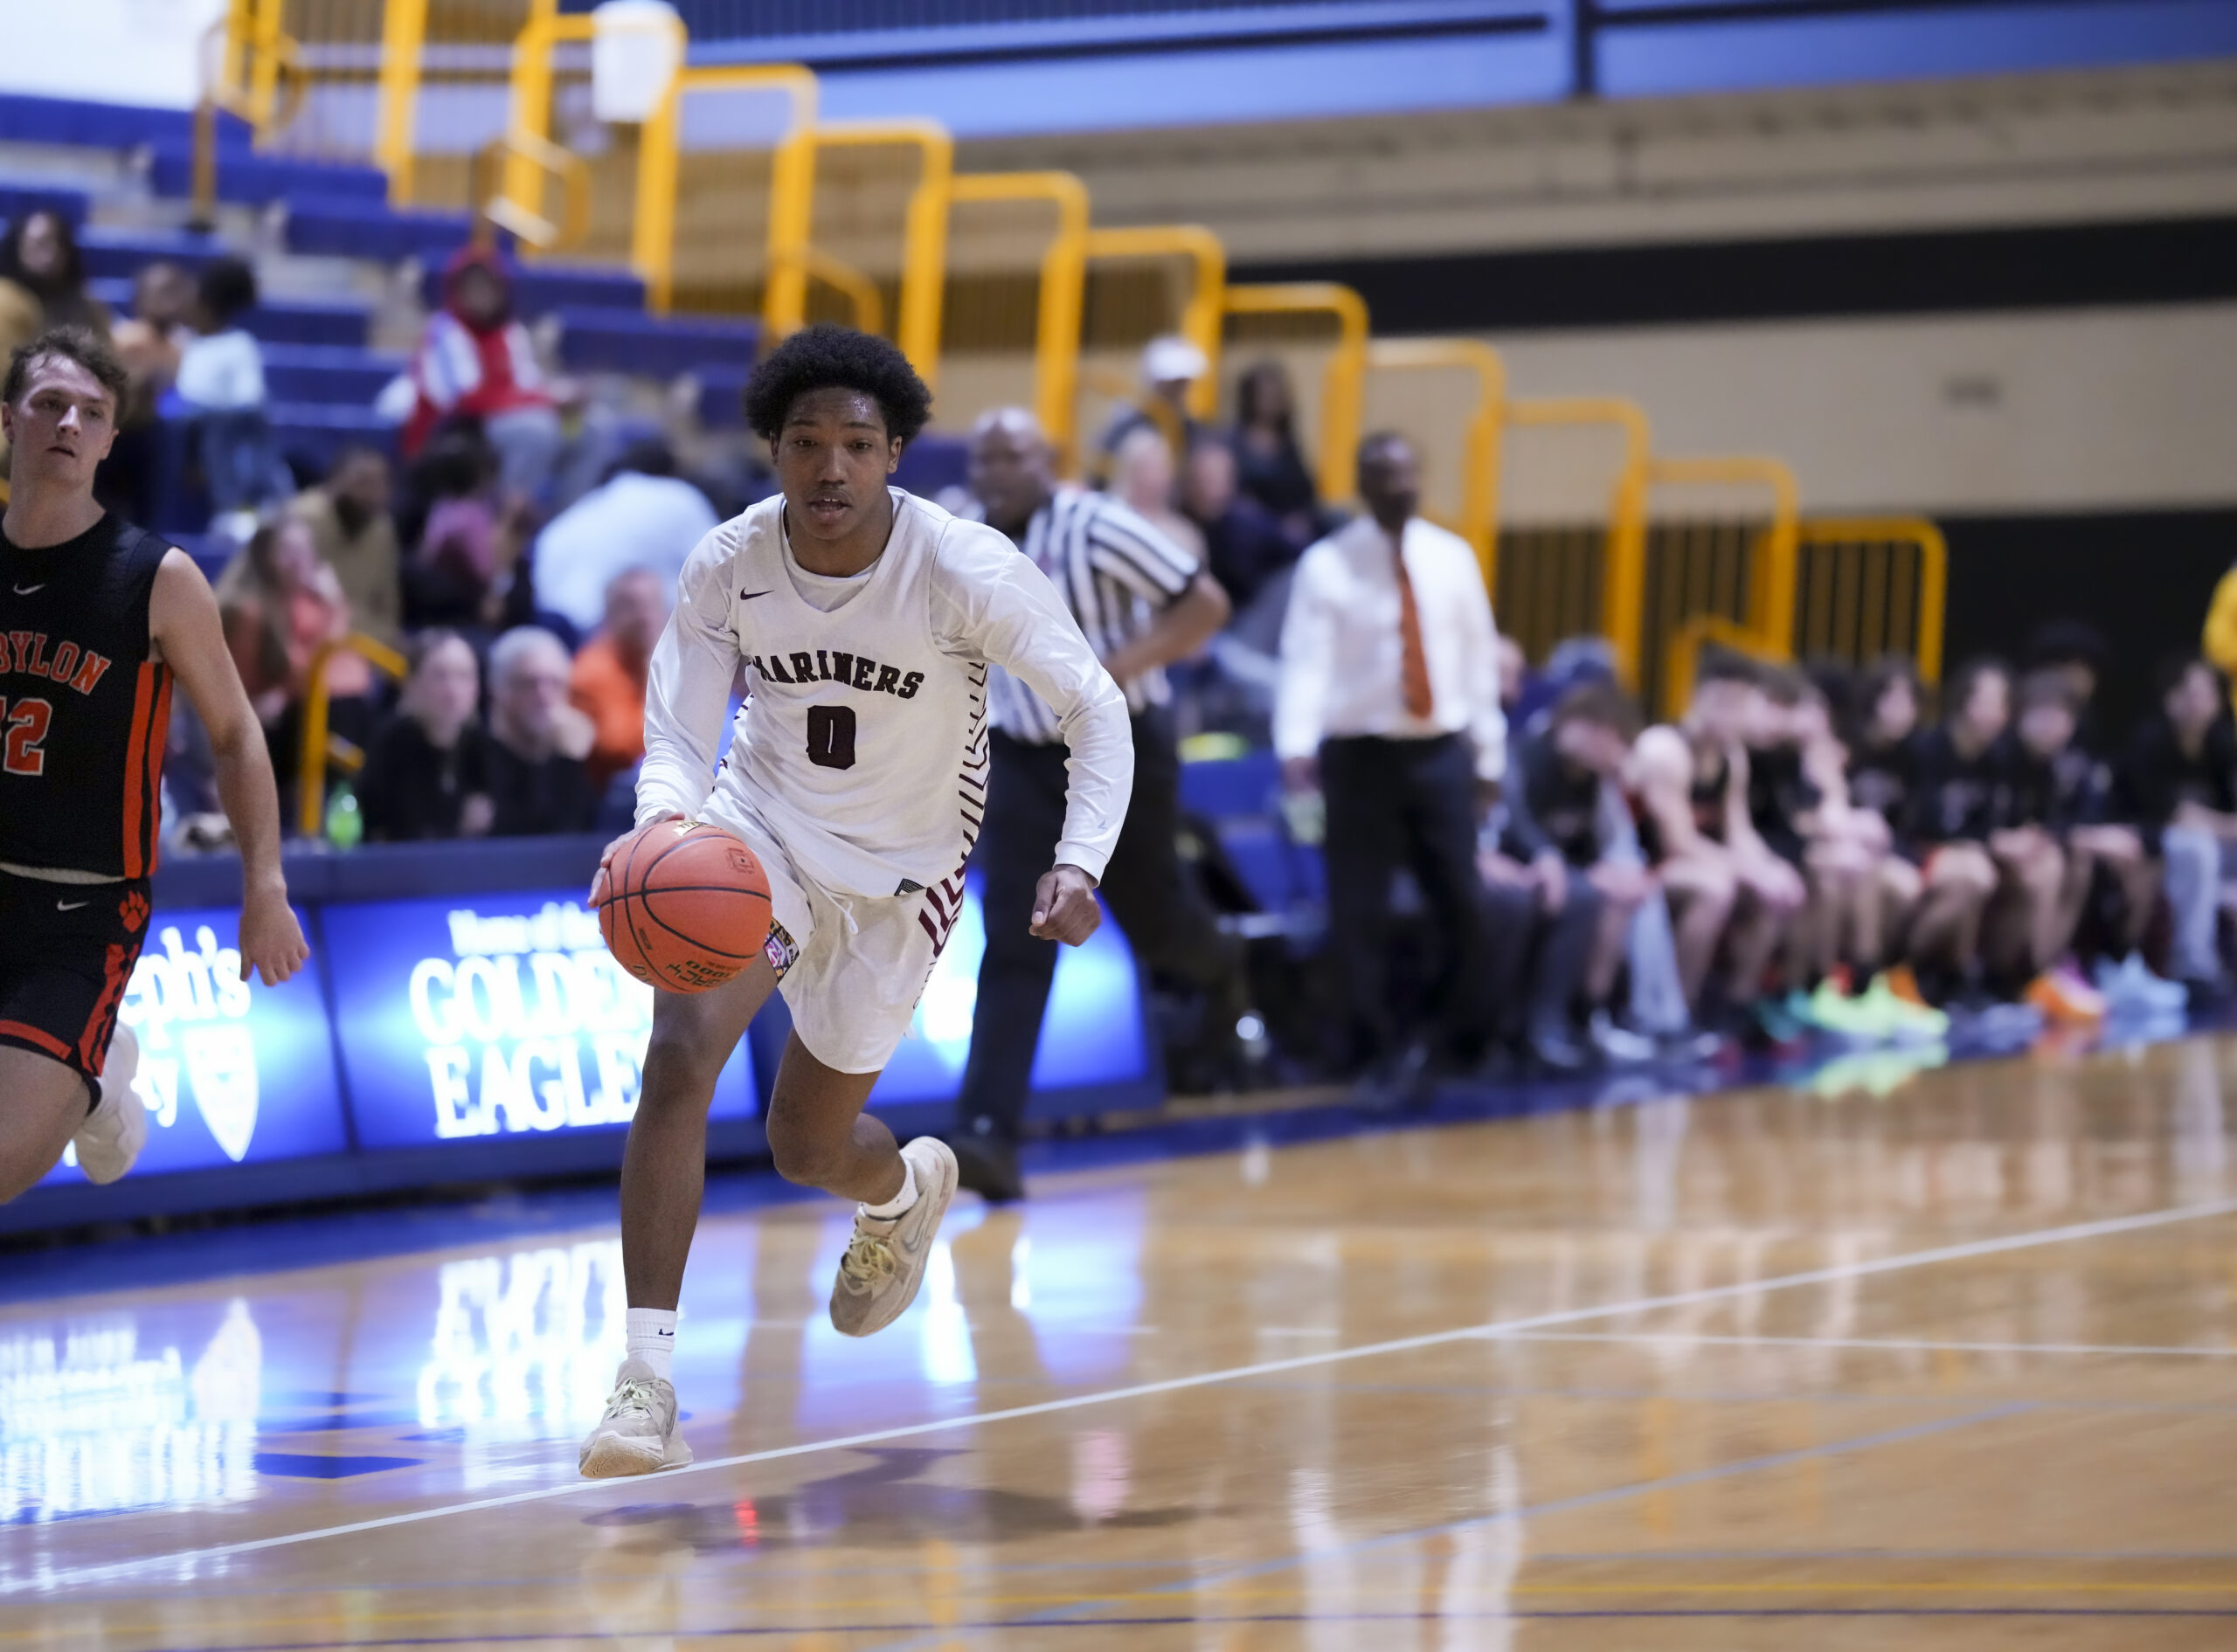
x: 133, y: 910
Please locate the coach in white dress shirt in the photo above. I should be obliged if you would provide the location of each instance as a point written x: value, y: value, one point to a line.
x: 1388, y: 704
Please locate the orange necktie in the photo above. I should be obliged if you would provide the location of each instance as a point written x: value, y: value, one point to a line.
x: 1414, y: 664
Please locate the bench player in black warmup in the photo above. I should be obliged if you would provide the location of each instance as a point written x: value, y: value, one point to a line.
x: 97, y: 618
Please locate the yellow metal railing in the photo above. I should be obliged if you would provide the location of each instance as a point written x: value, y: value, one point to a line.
x: 924, y: 242
x: 321, y: 746
x: 250, y: 70
x: 1774, y: 574
x: 403, y: 38
x: 1873, y: 585
x: 792, y: 199
x: 1623, y: 592
x: 502, y: 210
x: 1201, y: 314
x: 1344, y: 388
x: 1063, y: 294
x: 1479, y: 471
x: 1682, y: 655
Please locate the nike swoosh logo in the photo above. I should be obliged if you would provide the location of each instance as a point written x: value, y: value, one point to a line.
x: 26, y: 591
x: 70, y: 906
x: 748, y: 596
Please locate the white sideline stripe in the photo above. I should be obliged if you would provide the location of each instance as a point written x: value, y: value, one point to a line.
x: 1896, y: 1343
x: 1501, y: 1328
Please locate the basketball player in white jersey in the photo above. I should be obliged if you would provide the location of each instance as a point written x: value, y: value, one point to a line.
x: 865, y: 619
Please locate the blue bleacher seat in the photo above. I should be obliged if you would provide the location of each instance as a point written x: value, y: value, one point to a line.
x: 324, y: 373
x: 120, y: 254
x: 722, y: 396
x: 931, y: 463
x: 372, y: 230
x: 17, y: 199
x: 310, y: 434
x: 310, y: 321
x: 1245, y: 786
x: 256, y: 179
x: 540, y: 288
x: 627, y: 342
x: 102, y: 126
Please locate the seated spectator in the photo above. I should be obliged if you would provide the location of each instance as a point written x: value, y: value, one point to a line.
x: 1724, y: 884
x: 2060, y: 790
x: 1986, y: 881
x: 1558, y: 848
x: 151, y: 343
x: 1269, y: 467
x: 1882, y: 740
x: 348, y: 516
x: 40, y: 260
x: 2075, y: 651
x: 475, y: 360
x: 2177, y: 781
x: 643, y: 515
x: 1243, y: 546
x: 427, y: 771
x: 1142, y: 479
x: 470, y: 538
x: 1171, y: 365
x: 607, y: 684
x: 220, y: 387
x: 538, y: 779
x: 281, y: 605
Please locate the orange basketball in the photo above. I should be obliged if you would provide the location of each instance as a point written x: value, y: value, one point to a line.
x: 685, y: 907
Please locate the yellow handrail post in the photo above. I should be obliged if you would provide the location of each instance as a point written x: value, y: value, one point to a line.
x: 652, y: 252
x: 317, y: 741
x: 1682, y: 660
x: 1344, y: 388
x: 404, y: 33
x: 1201, y: 317
x: 1934, y: 570
x: 264, y: 64
x: 1776, y: 577
x: 923, y: 255
x: 529, y: 99
x: 1479, y: 479
x: 1623, y: 590
x: 527, y: 225
x: 1064, y: 286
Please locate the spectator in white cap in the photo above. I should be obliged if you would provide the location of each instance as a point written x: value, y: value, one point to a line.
x: 1170, y: 364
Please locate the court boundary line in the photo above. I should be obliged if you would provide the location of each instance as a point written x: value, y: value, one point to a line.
x: 1495, y: 1330
x: 1892, y: 1343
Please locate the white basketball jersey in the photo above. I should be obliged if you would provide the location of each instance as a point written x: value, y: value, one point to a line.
x: 863, y: 742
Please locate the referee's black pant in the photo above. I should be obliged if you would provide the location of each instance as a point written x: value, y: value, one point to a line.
x: 1412, y: 803
x: 1166, y: 918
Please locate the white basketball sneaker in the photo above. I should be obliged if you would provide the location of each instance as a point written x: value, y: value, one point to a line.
x: 885, y: 1258
x: 109, y: 1141
x: 638, y: 1433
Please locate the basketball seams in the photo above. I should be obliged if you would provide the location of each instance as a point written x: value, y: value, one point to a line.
x: 651, y: 938
x: 692, y: 941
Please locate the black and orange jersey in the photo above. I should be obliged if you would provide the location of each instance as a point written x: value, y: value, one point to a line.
x: 84, y: 710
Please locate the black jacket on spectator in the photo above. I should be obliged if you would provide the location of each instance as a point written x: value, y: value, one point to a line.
x: 1277, y: 480
x: 2154, y: 778
x: 2057, y: 793
x: 534, y: 799
x: 410, y: 792
x: 1779, y: 794
x: 1880, y: 778
x: 1551, y: 805
x: 1954, y: 800
x: 1244, y: 549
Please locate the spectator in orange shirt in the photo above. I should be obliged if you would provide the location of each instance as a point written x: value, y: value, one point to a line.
x: 608, y: 683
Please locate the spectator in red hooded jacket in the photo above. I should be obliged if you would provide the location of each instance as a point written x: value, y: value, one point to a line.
x: 476, y: 361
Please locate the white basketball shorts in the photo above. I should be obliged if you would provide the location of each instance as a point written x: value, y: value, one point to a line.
x: 851, y: 966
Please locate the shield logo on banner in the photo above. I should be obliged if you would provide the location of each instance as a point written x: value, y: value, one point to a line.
x: 221, y: 1070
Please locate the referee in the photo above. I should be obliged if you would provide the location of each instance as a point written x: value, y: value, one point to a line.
x: 1142, y: 601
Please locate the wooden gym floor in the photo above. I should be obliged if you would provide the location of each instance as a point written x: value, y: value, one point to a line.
x: 1952, y: 1367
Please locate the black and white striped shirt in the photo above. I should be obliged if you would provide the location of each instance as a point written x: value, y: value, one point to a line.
x: 1115, y: 573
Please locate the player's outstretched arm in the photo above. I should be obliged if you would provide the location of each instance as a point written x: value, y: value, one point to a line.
x: 183, y: 619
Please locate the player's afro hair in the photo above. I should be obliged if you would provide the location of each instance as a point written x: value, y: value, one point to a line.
x: 824, y: 358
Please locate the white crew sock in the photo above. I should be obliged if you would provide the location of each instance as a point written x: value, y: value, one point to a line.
x: 652, y: 1338
x: 901, y: 1200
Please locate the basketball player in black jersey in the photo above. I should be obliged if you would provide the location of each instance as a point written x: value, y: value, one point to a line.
x: 97, y: 618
